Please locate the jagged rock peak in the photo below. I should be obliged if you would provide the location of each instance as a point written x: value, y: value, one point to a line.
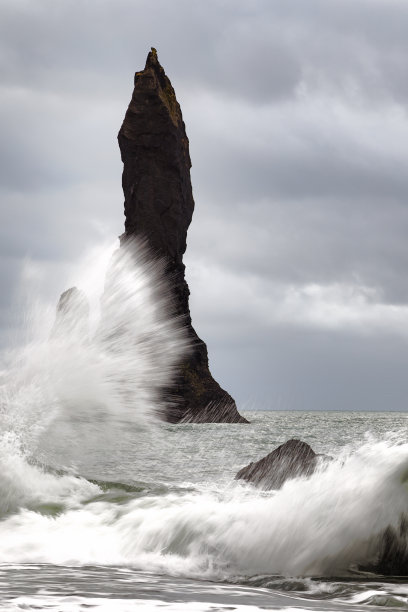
x: 154, y: 77
x: 152, y: 60
x: 156, y: 177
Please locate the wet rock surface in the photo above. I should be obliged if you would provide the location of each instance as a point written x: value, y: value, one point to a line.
x: 292, y: 459
x: 392, y: 555
x: 159, y: 206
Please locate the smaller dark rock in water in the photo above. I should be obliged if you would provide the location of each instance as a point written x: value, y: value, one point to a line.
x: 72, y: 316
x: 290, y: 460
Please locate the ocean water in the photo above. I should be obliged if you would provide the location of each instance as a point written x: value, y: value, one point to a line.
x: 105, y: 507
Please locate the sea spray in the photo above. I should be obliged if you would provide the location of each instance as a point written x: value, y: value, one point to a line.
x: 85, y: 374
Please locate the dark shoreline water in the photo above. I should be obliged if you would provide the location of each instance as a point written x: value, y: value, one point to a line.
x: 75, y: 588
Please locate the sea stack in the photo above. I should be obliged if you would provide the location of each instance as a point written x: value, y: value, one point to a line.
x: 159, y: 206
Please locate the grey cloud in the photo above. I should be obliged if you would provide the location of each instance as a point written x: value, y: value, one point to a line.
x: 295, y: 113
x: 260, y: 53
x: 52, y: 225
x: 10, y: 320
x: 318, y: 371
x: 306, y: 200
x: 49, y: 141
x: 302, y: 150
x: 356, y: 242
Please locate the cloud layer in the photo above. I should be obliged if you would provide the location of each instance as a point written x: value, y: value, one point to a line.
x: 296, y: 114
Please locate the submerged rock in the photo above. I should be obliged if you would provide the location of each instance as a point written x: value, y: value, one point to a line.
x: 159, y: 207
x: 72, y: 316
x: 392, y: 555
x: 290, y: 460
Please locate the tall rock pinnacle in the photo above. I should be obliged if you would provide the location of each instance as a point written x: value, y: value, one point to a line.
x: 159, y: 206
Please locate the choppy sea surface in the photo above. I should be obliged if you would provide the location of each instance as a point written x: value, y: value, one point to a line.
x: 154, y: 520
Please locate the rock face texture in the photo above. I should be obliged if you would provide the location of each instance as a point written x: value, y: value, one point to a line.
x: 290, y: 460
x: 392, y: 557
x: 159, y: 206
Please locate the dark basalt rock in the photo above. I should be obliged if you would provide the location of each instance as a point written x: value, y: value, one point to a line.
x: 159, y: 206
x: 290, y: 460
x: 392, y: 551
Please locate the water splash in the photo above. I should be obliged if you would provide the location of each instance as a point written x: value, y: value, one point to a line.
x: 99, y: 368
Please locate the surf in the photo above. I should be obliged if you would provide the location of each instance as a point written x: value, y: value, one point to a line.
x: 324, y: 525
x: 96, y: 375
x: 87, y: 372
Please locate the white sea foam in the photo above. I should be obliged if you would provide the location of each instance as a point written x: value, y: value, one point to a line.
x: 315, y: 526
x: 72, y: 604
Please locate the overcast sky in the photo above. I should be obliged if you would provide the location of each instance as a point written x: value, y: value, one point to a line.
x: 296, y: 112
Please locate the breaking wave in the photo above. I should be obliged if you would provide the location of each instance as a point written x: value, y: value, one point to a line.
x: 104, y: 375
x: 318, y: 526
x: 88, y: 370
